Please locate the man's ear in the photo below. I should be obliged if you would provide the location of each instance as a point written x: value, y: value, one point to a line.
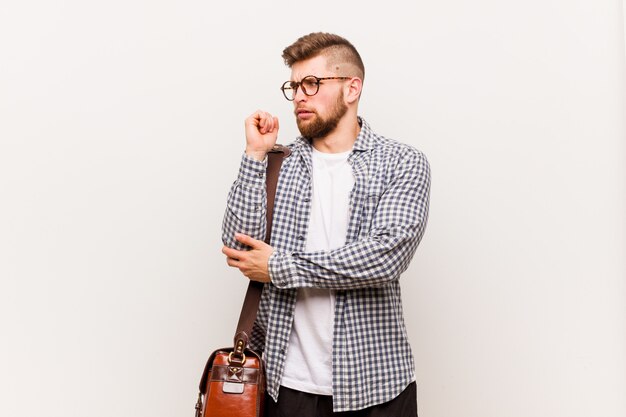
x: 353, y: 90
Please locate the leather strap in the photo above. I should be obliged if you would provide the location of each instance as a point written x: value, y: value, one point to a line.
x: 255, y: 289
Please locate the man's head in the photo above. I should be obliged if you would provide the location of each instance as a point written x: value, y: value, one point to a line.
x: 326, y: 81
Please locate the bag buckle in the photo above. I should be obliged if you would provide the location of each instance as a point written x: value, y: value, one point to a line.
x: 199, y: 406
x: 241, y: 358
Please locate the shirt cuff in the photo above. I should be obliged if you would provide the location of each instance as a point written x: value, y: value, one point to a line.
x: 252, y: 172
x: 281, y: 270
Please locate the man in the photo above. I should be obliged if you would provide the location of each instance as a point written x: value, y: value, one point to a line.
x: 351, y: 207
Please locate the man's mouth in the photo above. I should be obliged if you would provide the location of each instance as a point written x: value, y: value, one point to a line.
x: 304, y: 113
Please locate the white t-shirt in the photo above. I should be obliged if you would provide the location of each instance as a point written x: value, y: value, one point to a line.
x: 308, y: 363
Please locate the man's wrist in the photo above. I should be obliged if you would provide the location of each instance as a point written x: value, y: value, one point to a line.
x: 252, y: 173
x: 257, y: 155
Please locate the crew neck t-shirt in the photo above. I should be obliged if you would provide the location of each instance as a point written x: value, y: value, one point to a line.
x: 308, y: 363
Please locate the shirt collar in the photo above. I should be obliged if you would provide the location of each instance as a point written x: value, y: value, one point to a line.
x: 365, y: 140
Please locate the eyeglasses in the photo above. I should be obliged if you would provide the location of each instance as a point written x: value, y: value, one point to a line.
x: 310, y: 86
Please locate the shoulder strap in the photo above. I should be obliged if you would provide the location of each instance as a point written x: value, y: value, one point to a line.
x: 255, y: 288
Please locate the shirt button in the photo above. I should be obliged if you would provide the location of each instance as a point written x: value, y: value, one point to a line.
x: 300, y: 237
x: 306, y: 199
x: 282, y: 351
x: 260, y: 174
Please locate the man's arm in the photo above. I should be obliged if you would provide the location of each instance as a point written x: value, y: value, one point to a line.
x: 247, y: 199
x: 246, y: 203
x: 380, y: 256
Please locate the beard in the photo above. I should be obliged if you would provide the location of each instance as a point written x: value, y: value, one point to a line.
x: 319, y: 127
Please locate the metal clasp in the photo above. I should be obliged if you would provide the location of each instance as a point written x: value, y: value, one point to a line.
x: 199, y: 406
x: 241, y: 355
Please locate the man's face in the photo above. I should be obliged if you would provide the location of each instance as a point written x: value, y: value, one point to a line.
x: 318, y: 115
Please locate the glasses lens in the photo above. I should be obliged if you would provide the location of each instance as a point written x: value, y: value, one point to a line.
x: 310, y: 85
x: 288, y: 90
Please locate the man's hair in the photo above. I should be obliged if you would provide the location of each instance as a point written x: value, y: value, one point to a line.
x: 336, y: 49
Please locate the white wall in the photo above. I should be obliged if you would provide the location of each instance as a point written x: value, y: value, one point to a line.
x: 121, y: 124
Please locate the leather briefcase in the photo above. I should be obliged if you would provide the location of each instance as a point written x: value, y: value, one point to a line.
x: 233, y: 381
x: 234, y: 385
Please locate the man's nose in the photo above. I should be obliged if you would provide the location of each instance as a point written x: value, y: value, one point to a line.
x: 299, y: 95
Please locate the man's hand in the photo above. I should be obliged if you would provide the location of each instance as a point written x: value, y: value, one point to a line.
x: 261, y: 134
x: 252, y: 263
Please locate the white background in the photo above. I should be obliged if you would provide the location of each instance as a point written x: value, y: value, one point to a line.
x: 121, y: 127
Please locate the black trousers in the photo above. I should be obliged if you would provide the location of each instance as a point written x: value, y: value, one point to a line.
x: 292, y: 403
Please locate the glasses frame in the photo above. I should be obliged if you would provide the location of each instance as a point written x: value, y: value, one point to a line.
x: 294, y: 85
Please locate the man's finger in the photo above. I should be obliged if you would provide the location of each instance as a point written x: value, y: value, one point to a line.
x: 263, y: 122
x: 276, y: 125
x: 247, y: 240
x: 232, y: 262
x: 232, y: 253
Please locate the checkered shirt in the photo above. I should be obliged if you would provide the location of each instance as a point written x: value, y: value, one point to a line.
x: 372, y: 359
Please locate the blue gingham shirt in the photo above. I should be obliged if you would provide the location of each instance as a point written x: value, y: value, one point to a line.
x: 372, y: 359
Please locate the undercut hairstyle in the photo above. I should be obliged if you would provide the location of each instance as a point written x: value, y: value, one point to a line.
x: 337, y: 50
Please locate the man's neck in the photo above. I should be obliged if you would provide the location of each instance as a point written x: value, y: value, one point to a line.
x: 342, y: 138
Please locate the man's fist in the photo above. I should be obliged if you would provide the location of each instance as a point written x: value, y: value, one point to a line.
x: 261, y: 134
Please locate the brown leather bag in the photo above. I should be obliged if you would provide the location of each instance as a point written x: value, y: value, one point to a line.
x: 233, y: 381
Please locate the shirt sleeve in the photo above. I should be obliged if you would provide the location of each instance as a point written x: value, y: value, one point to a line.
x: 378, y: 257
x: 246, y: 204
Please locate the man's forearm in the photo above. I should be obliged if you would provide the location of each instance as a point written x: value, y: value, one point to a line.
x: 246, y: 204
x: 371, y: 262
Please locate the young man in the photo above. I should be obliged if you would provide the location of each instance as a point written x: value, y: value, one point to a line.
x: 350, y: 209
